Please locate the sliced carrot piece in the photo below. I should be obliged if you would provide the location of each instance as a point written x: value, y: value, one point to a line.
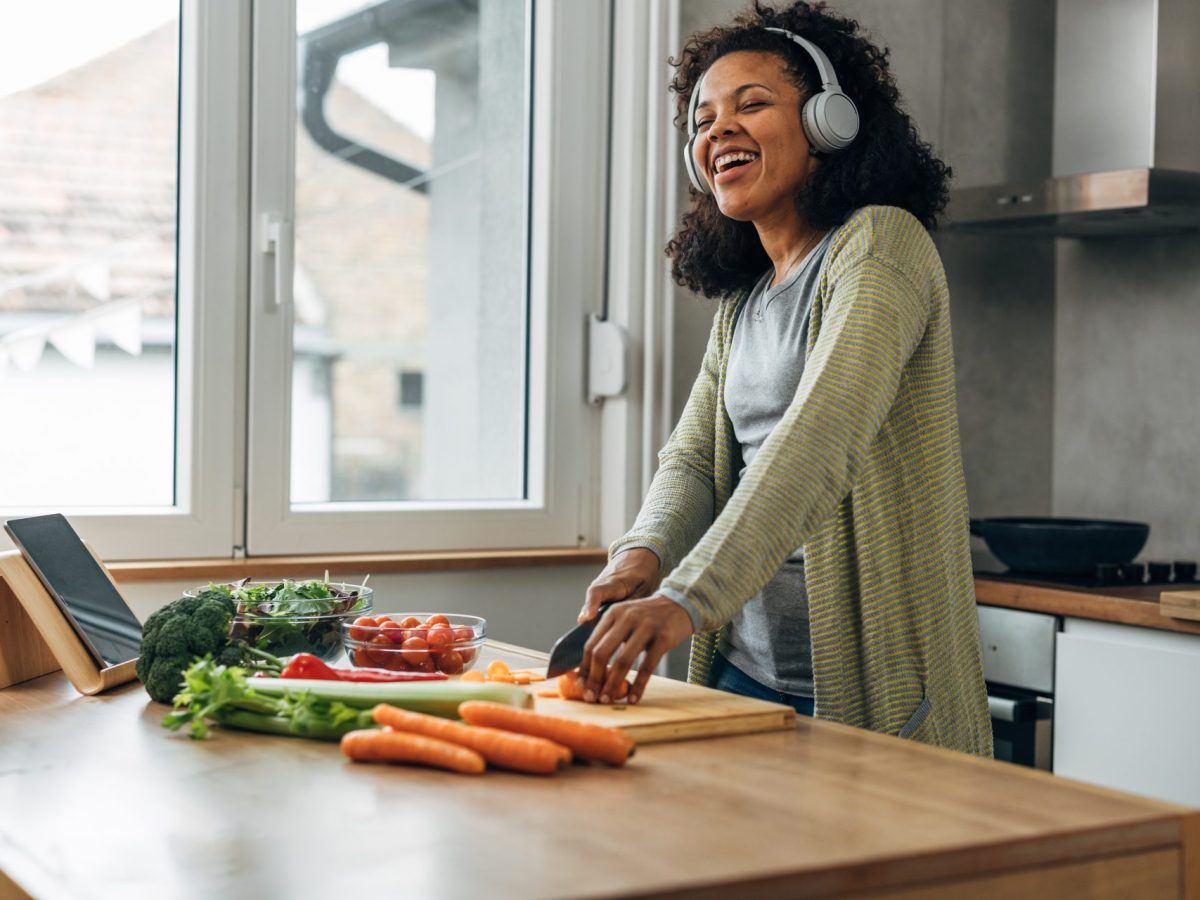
x: 472, y: 676
x: 497, y: 667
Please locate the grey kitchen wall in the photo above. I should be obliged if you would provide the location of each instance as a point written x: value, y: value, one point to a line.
x: 1077, y: 364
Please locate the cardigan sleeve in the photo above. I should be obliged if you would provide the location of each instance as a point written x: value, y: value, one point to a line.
x: 872, y: 323
x: 680, y: 505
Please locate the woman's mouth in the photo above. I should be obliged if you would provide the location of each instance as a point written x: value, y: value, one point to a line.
x: 730, y: 166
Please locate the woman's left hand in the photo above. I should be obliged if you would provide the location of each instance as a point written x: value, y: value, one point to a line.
x: 652, y: 624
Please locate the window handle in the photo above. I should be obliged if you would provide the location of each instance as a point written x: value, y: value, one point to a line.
x: 277, y: 234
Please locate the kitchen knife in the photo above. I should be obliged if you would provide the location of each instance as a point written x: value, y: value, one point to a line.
x: 567, y: 652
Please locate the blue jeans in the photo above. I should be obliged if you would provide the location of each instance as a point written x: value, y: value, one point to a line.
x: 728, y: 677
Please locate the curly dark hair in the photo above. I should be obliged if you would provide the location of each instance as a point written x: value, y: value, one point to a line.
x: 887, y: 164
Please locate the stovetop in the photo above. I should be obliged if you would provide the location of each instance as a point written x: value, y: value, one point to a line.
x: 1162, y: 576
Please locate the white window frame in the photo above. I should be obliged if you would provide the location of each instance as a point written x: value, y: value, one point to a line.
x: 566, y: 280
x: 211, y: 253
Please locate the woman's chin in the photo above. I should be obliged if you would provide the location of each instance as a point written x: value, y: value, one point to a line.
x: 735, y: 208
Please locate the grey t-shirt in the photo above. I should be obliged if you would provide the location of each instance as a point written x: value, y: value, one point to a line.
x: 769, y: 638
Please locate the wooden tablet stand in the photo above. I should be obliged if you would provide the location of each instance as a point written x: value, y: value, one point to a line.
x: 36, y: 638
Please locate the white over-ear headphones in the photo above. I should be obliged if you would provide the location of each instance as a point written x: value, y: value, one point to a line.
x: 829, y: 117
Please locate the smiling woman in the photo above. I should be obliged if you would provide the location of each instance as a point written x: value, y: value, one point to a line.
x: 808, y: 522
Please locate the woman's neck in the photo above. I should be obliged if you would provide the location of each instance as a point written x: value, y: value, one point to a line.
x: 787, y: 242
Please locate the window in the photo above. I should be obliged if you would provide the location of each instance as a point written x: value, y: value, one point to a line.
x: 361, y: 325
x: 416, y: 212
x: 103, y: 252
x: 87, y: 256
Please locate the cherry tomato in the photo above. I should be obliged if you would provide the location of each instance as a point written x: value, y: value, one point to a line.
x: 422, y: 633
x: 464, y: 633
x: 440, y: 637
x: 436, y: 619
x: 450, y: 662
x: 379, y: 620
x: 379, y: 650
x: 467, y: 653
x: 410, y: 622
x: 358, y: 630
x: 415, y: 651
x: 393, y: 632
x: 361, y: 656
x: 426, y: 665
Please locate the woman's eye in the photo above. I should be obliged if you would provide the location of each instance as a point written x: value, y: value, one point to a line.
x: 752, y: 104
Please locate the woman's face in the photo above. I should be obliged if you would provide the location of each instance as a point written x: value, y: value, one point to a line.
x: 750, y: 144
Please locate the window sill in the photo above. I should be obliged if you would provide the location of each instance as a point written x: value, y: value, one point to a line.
x: 352, y: 565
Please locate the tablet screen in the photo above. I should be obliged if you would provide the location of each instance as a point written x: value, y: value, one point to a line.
x: 80, y: 586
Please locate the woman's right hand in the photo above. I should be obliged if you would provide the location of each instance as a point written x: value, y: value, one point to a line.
x: 629, y: 575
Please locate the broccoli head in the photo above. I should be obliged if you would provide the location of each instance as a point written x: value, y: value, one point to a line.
x: 188, y: 628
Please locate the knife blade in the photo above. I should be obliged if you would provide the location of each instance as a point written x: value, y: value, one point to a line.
x: 567, y: 652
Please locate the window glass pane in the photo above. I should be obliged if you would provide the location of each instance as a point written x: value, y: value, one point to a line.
x: 410, y: 305
x: 88, y: 164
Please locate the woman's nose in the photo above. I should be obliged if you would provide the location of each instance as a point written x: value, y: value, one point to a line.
x: 720, y: 128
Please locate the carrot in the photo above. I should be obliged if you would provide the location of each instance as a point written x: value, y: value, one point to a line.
x: 472, y: 676
x: 500, y: 748
x: 610, y: 745
x: 522, y: 678
x: 571, y: 687
x: 369, y: 745
x: 497, y: 667
x: 548, y: 694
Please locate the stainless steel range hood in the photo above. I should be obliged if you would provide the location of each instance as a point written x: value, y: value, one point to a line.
x: 1126, y: 129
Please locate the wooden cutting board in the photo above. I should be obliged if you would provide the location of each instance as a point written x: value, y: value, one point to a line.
x: 1180, y: 604
x: 669, y: 710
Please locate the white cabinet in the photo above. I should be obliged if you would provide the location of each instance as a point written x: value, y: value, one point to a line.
x: 1126, y: 714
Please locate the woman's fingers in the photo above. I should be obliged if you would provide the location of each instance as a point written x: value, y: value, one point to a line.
x: 601, y: 591
x: 652, y: 626
x: 640, y: 638
x: 599, y: 649
x: 631, y: 573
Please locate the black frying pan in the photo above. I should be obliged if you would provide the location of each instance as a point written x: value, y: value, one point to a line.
x: 1059, y: 546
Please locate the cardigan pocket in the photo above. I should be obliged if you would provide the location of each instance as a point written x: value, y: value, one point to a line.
x: 917, y: 719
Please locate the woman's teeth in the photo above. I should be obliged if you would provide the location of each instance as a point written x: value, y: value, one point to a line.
x: 728, y: 160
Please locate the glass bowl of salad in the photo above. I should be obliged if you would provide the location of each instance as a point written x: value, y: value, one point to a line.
x: 289, y: 616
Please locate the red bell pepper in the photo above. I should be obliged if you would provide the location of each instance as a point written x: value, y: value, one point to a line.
x: 305, y: 665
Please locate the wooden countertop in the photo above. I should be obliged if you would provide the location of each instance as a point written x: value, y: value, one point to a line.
x: 1123, y: 605
x: 97, y: 800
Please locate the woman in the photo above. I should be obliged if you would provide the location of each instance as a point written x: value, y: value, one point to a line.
x: 809, y: 513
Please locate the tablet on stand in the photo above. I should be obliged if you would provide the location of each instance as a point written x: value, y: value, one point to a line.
x: 74, y: 604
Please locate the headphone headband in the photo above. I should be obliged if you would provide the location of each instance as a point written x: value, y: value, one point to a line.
x: 829, y: 117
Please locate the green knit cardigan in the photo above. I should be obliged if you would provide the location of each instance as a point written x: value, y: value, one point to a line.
x: 864, y: 471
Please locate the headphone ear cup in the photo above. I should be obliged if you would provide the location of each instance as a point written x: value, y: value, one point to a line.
x: 689, y: 163
x: 830, y: 121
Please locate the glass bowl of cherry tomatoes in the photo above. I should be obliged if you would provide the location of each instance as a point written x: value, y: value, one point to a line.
x: 415, y: 642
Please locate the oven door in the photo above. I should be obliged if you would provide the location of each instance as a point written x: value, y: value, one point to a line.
x: 1022, y: 726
